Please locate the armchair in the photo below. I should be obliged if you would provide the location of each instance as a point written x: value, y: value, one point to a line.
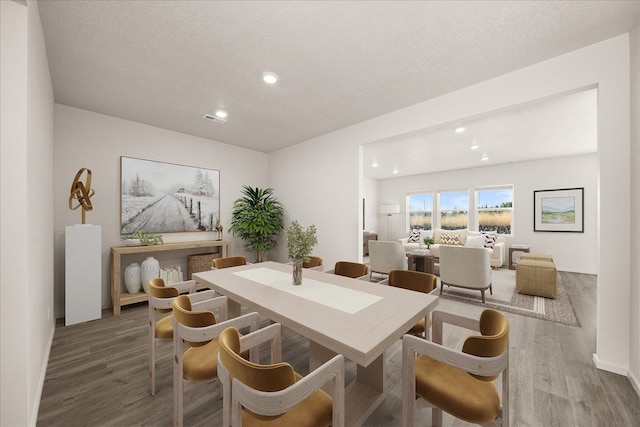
x: 386, y: 256
x: 465, y: 267
x: 414, y: 281
x: 255, y: 394
x: 355, y: 270
x: 459, y: 382
x: 226, y: 262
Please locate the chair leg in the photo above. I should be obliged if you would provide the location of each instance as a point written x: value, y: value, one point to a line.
x: 482, y: 292
x: 491, y: 289
x: 436, y: 417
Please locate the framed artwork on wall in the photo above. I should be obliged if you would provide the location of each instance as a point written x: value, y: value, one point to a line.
x: 559, y: 210
x: 158, y: 197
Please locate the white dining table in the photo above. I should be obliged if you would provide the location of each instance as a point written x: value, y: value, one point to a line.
x: 339, y: 315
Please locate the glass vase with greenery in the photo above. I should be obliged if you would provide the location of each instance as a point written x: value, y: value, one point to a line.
x: 300, y: 243
x: 257, y: 218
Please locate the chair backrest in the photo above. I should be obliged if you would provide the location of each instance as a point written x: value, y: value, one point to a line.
x: 231, y: 261
x: 493, y: 338
x: 385, y: 256
x: 157, y: 289
x: 314, y: 261
x: 351, y: 269
x: 266, y: 378
x: 469, y: 267
x: 413, y: 280
x: 196, y: 319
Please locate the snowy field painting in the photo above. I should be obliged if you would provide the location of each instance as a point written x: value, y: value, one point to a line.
x: 158, y: 197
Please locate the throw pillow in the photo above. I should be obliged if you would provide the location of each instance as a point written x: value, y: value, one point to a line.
x: 414, y: 236
x: 490, y: 238
x: 475, y: 242
x: 449, y: 239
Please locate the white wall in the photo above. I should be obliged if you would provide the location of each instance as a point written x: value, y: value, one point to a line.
x: 634, y: 301
x: 330, y: 167
x: 371, y: 205
x: 96, y: 141
x: 26, y: 247
x: 571, y: 251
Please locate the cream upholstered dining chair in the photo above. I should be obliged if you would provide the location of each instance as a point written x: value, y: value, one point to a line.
x: 458, y: 382
x: 355, y: 270
x: 160, y: 319
x: 414, y: 281
x: 464, y: 267
x: 314, y: 262
x: 385, y: 256
x: 226, y: 262
x: 196, y: 326
x: 274, y: 394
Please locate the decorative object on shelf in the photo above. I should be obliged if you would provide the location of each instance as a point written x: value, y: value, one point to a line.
x: 257, y: 218
x: 132, y: 278
x: 428, y: 241
x: 559, y: 210
x: 141, y: 238
x: 171, y: 275
x: 149, y: 269
x: 82, y: 193
x: 186, y: 197
x: 300, y: 243
x: 219, y: 229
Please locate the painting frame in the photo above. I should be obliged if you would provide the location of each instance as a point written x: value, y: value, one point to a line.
x: 160, y: 197
x: 559, y: 210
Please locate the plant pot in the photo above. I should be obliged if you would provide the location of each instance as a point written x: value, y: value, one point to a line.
x: 259, y: 256
x: 297, y: 272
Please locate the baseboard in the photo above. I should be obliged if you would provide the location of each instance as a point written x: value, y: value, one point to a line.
x: 43, y: 375
x: 620, y: 370
x: 634, y: 382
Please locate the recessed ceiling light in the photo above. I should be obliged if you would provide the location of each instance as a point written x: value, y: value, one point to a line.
x: 269, y: 78
x: 460, y: 129
x: 221, y: 114
x: 374, y: 164
x: 484, y: 158
x: 474, y: 147
x: 395, y: 170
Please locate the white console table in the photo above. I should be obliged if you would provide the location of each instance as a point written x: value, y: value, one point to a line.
x: 120, y: 298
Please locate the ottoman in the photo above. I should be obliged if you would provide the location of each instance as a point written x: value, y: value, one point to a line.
x: 539, y: 257
x: 537, y: 276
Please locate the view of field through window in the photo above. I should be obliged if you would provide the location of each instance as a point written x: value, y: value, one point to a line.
x: 454, y: 210
x: 495, y: 208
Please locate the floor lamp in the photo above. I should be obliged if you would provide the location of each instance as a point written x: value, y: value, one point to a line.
x: 389, y: 210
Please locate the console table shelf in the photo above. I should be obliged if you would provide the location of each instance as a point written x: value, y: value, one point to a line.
x: 120, y: 298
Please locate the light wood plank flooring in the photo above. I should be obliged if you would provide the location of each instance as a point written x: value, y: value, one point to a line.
x: 97, y: 374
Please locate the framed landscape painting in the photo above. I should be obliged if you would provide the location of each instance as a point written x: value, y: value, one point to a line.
x: 559, y: 210
x: 158, y: 197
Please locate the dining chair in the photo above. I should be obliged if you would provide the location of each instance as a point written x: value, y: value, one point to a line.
x: 313, y: 262
x: 226, y: 262
x: 459, y: 382
x: 414, y: 281
x: 160, y: 319
x: 197, y: 327
x: 274, y: 394
x: 355, y: 270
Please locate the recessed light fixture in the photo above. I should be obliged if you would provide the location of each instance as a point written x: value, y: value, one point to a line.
x: 474, y: 146
x: 269, y: 78
x: 395, y: 170
x: 460, y: 129
x: 374, y: 164
x: 485, y: 158
x: 221, y: 114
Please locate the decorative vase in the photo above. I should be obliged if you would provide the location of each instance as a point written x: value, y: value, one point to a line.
x: 132, y: 278
x: 297, y: 272
x: 149, y: 269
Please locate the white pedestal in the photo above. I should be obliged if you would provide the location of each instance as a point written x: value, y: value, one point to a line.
x: 83, y: 273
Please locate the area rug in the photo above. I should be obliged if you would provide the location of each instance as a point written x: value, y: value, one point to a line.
x: 505, y: 298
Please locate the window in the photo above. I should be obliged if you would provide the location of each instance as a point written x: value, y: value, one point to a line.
x: 495, y: 209
x: 454, y: 210
x: 420, y: 211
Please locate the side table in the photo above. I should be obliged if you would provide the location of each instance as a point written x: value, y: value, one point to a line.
x: 421, y: 261
x: 513, y: 258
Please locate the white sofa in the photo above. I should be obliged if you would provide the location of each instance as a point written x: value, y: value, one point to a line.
x: 498, y: 253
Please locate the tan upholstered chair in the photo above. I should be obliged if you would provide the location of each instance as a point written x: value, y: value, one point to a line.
x: 274, y: 394
x: 196, y: 326
x: 458, y: 382
x: 414, y: 281
x: 160, y: 320
x: 231, y: 261
x: 313, y: 262
x: 465, y: 267
x: 354, y: 270
x: 385, y: 256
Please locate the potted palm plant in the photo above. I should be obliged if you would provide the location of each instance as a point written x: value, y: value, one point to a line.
x: 300, y: 243
x: 257, y: 218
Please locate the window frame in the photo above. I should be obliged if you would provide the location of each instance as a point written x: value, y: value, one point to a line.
x: 408, y: 210
x: 478, y: 209
x: 440, y: 210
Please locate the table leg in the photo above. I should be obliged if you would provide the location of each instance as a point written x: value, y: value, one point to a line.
x: 363, y: 395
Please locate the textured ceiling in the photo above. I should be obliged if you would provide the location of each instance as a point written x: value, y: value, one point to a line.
x: 166, y: 63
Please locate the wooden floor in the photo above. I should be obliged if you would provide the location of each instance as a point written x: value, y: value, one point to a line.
x: 97, y: 374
